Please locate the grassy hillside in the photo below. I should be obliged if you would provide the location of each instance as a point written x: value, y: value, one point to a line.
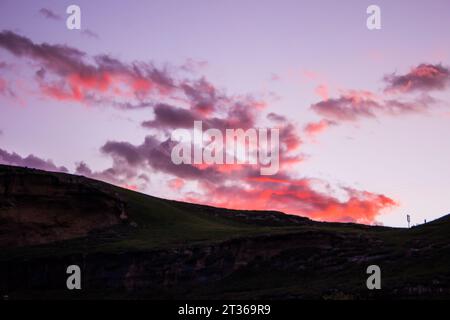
x: 159, y: 223
x: 172, y: 249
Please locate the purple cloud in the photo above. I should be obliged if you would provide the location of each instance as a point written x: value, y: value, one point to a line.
x: 90, y: 33
x: 30, y: 161
x: 49, y: 14
x: 424, y: 77
x: 356, y: 105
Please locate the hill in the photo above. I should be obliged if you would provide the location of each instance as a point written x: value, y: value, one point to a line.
x: 131, y: 245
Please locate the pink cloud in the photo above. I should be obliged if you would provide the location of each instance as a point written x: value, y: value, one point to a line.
x: 314, y: 128
x: 176, y: 184
x: 354, y: 105
x: 424, y: 77
x: 322, y: 91
x: 296, y: 197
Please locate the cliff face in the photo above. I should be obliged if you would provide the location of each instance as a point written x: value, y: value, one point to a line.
x: 310, y: 265
x: 38, y: 208
x: 174, y: 271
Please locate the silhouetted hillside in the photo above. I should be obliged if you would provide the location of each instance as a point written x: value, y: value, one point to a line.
x: 131, y: 245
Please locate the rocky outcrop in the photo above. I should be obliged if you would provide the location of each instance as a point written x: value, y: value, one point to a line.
x: 38, y: 208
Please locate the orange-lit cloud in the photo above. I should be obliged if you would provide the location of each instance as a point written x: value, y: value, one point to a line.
x: 297, y: 197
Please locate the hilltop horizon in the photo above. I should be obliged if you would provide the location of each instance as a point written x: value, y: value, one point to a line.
x: 349, y: 141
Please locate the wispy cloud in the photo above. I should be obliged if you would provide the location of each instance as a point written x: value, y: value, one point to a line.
x: 90, y: 33
x: 49, y: 14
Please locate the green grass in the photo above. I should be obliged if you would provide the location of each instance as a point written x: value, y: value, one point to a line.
x: 159, y: 223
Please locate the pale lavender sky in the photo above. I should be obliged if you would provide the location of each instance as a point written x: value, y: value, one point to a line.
x: 276, y: 51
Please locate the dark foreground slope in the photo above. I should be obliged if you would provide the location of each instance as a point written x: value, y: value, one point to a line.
x: 130, y: 245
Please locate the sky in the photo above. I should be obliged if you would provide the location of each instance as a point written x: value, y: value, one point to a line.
x: 363, y: 114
